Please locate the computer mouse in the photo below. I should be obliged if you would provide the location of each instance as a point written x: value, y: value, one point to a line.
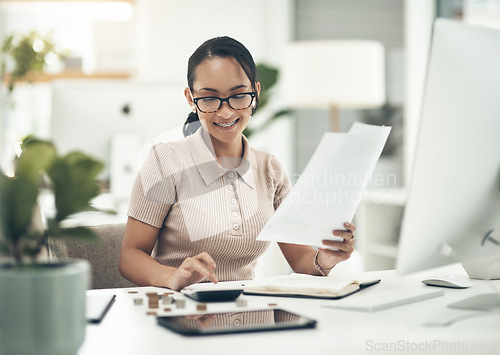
x: 451, y: 281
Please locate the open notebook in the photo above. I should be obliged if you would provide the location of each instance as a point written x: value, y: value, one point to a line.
x: 300, y: 285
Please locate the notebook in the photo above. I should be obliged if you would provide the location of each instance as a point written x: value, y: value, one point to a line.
x: 301, y: 285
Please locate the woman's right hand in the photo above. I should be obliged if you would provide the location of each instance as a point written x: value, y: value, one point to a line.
x: 137, y: 265
x: 193, y: 270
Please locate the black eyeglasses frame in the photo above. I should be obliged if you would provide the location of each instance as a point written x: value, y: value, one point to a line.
x: 225, y: 99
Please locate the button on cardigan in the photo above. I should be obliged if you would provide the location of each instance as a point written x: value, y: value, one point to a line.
x: 199, y: 206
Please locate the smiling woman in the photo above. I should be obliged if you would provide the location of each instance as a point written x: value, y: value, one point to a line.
x: 225, y: 62
x: 203, y: 200
x: 227, y: 111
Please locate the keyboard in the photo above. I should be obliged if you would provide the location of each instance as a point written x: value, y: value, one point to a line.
x: 383, y: 299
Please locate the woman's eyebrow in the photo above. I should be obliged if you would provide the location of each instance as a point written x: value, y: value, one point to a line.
x: 208, y: 89
x: 232, y: 89
x: 238, y: 87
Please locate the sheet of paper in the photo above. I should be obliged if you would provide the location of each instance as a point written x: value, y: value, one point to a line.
x: 329, y: 190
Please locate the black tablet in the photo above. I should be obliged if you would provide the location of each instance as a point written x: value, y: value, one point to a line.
x: 235, y: 322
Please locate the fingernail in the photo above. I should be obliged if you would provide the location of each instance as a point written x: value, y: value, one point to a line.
x: 346, y: 224
x: 336, y: 233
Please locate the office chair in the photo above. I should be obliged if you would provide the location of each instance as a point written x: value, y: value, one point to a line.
x: 103, y: 257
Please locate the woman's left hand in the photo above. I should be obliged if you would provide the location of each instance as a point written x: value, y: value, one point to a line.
x: 328, y: 258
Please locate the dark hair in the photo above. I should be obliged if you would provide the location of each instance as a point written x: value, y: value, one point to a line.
x: 223, y: 47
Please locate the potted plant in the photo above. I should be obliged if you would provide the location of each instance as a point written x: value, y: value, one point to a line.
x: 42, y: 304
x: 25, y: 55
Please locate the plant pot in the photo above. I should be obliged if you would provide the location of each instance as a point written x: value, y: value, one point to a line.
x: 42, y: 307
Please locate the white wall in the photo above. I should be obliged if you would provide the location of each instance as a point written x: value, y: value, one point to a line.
x: 170, y: 30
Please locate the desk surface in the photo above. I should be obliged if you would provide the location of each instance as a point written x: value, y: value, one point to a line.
x: 127, y: 329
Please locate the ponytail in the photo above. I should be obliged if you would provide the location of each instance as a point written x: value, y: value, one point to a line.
x: 192, y: 124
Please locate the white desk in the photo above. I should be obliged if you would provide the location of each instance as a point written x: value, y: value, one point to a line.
x: 127, y: 329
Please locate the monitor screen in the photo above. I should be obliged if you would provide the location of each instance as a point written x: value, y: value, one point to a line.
x: 453, y: 208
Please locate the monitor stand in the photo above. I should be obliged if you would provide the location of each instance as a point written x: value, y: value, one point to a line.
x: 484, y: 268
x: 484, y: 302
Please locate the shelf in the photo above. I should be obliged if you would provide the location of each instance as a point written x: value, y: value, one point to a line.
x: 45, y: 77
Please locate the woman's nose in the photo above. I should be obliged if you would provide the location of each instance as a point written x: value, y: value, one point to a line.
x: 225, y: 111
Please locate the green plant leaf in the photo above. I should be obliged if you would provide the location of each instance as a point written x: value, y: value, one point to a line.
x: 18, y: 197
x: 37, y: 155
x: 28, y: 52
x: 247, y: 132
x: 74, y: 181
x: 7, y: 43
x: 268, y: 75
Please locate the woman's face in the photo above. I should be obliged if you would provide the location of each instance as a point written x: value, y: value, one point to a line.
x: 222, y: 77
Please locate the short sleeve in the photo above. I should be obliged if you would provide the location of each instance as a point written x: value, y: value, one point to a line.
x: 281, y: 181
x: 154, y: 189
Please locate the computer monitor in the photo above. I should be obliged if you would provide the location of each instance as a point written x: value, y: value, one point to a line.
x: 453, y: 208
x: 113, y: 119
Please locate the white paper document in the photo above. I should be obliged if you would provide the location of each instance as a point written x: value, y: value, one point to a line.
x: 329, y: 190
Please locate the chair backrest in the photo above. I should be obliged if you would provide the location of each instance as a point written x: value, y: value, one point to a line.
x: 103, y: 257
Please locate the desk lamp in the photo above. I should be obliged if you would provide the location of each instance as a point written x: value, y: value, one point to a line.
x: 334, y: 74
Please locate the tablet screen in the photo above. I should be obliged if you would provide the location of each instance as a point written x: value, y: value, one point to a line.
x: 235, y: 322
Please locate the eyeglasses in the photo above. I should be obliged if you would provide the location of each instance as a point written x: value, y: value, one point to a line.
x: 213, y: 104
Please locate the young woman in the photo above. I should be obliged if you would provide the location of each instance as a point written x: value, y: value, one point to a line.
x: 198, y: 204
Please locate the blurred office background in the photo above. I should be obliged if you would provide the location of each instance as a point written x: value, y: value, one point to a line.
x: 121, y: 85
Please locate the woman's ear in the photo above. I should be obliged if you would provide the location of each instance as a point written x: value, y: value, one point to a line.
x: 189, y: 96
x: 257, y: 87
